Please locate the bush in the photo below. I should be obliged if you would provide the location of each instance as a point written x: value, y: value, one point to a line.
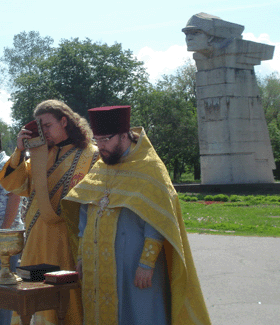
x: 189, y: 198
x: 249, y: 198
x: 200, y: 197
x: 209, y: 198
x: 181, y: 195
x: 272, y: 199
x: 221, y: 197
x: 235, y: 198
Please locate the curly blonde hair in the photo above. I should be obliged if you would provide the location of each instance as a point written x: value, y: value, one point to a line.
x: 78, y: 129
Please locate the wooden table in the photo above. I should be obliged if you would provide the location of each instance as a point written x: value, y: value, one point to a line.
x: 26, y: 298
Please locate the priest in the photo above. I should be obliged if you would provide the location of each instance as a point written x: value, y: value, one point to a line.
x: 134, y: 257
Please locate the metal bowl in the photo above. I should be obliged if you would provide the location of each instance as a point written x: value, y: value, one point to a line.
x: 11, y: 243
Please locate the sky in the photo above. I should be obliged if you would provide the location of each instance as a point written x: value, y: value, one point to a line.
x: 151, y: 29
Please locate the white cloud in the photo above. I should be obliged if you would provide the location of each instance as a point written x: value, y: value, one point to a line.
x: 5, y: 107
x: 158, y: 63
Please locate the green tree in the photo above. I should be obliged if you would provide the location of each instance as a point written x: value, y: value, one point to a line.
x: 28, y: 49
x: 2, y: 71
x: 8, y: 138
x: 26, y: 72
x: 168, y: 113
x: 81, y: 73
x: 270, y: 95
x: 88, y: 74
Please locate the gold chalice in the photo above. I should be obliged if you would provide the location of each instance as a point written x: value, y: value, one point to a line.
x: 11, y: 243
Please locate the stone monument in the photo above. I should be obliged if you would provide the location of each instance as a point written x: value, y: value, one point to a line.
x: 233, y: 136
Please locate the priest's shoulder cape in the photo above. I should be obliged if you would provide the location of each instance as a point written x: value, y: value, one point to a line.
x: 142, y: 184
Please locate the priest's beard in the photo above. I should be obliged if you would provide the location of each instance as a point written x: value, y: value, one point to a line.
x: 113, y: 157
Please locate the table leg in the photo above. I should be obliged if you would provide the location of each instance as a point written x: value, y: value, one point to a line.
x: 25, y: 319
x: 64, y: 297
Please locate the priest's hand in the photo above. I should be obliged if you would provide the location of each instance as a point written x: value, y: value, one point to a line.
x: 79, y: 269
x: 143, y: 277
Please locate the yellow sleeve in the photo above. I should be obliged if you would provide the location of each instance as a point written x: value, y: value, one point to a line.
x: 15, y: 158
x: 151, y: 249
x: 18, y: 181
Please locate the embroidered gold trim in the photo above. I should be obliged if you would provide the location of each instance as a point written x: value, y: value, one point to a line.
x: 151, y: 249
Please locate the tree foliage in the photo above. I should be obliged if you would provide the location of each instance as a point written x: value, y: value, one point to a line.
x: 270, y: 94
x: 88, y: 74
x: 81, y: 73
x: 2, y: 78
x: 167, y: 111
x: 25, y: 70
x: 28, y: 50
x: 8, y: 138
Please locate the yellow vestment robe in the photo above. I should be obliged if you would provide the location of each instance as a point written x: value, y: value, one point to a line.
x: 52, y: 243
x: 140, y: 183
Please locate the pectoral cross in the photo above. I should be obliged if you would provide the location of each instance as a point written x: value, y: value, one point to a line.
x: 103, y: 203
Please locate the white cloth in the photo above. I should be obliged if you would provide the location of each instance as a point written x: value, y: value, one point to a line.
x: 4, y: 198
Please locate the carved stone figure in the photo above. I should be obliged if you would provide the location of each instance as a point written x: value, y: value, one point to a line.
x: 233, y: 136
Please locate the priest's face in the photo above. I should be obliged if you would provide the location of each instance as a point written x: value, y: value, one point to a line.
x: 54, y: 130
x: 110, y: 148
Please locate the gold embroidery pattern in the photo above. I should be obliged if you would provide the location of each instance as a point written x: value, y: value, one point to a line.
x: 106, y: 254
x: 99, y: 252
x: 152, y: 248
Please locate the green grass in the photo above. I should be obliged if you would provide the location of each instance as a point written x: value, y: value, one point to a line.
x: 238, y: 215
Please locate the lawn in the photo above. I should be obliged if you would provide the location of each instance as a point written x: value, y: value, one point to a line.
x: 236, y: 215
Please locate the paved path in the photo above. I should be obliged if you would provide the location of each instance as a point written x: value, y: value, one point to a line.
x: 240, y: 278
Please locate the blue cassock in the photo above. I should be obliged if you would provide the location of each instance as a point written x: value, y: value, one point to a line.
x: 150, y: 306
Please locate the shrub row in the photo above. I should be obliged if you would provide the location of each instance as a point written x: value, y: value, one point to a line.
x: 251, y: 199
